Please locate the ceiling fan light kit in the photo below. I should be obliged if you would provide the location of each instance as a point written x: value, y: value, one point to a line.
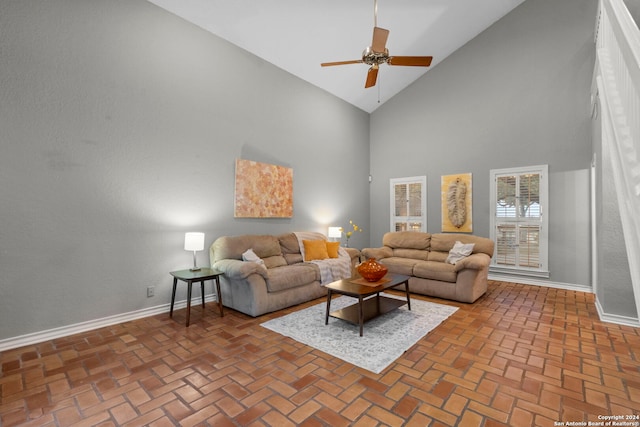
x: 371, y: 57
x: 377, y: 54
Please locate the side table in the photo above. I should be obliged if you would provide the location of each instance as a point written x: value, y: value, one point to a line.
x: 189, y: 277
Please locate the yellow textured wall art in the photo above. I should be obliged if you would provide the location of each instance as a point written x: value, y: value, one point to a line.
x: 263, y: 190
x: 457, y: 203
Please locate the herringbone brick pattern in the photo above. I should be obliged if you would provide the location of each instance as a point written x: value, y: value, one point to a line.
x: 520, y: 356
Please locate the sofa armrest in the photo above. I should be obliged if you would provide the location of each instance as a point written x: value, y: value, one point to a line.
x: 236, y: 269
x: 476, y: 261
x: 377, y: 253
x: 353, y: 253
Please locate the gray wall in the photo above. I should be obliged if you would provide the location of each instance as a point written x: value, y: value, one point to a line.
x: 634, y: 9
x: 516, y: 95
x: 119, y: 128
x: 120, y: 125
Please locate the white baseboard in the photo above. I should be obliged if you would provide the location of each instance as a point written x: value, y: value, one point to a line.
x: 50, y: 334
x: 615, y: 318
x: 538, y: 282
x: 605, y: 317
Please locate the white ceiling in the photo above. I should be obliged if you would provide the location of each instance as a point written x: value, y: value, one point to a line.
x: 297, y: 35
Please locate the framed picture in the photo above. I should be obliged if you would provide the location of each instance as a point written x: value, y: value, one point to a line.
x: 457, y: 203
x: 263, y: 190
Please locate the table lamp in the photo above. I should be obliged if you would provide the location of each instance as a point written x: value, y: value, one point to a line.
x: 335, y: 232
x: 194, y: 242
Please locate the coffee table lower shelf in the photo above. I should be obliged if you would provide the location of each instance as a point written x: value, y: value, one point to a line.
x: 371, y: 307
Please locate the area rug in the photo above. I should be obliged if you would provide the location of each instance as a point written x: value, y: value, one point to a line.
x: 385, y: 338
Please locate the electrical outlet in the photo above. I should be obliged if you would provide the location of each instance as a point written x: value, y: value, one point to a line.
x: 151, y: 291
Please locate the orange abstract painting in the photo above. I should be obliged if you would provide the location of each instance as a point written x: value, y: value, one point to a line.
x: 263, y: 190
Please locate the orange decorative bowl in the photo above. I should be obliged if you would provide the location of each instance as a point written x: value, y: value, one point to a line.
x: 372, y: 270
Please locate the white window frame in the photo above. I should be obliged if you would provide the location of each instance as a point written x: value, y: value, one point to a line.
x: 542, y: 221
x: 422, y: 180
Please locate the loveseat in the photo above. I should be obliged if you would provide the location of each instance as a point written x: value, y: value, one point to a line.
x: 276, y: 274
x: 423, y: 256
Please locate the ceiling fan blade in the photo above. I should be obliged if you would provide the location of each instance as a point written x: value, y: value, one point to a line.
x: 412, y: 61
x: 379, y: 42
x: 372, y: 76
x: 329, y: 64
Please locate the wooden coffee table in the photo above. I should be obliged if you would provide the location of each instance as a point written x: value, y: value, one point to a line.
x: 366, y: 308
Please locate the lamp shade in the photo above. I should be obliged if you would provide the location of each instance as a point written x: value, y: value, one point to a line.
x: 335, y: 232
x: 193, y: 241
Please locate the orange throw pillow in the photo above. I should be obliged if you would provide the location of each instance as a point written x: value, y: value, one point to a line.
x: 315, y: 249
x: 332, y: 249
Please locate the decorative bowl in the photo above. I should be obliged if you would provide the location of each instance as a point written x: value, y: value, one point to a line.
x: 372, y: 270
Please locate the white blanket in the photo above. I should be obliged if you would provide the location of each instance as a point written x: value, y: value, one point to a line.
x: 331, y: 269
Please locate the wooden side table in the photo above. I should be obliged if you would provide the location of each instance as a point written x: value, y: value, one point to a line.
x: 189, y: 277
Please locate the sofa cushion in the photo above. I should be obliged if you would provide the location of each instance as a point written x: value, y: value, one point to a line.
x: 407, y: 240
x: 399, y: 265
x: 290, y: 248
x: 438, y: 256
x: 443, y: 242
x: 274, y: 261
x: 292, y: 276
x: 232, y: 247
x: 293, y: 258
x: 289, y: 244
x: 266, y: 246
x: 377, y: 253
x: 436, y: 271
x: 411, y: 253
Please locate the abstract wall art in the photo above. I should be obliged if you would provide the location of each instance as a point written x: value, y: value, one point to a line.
x: 457, y: 203
x: 263, y: 190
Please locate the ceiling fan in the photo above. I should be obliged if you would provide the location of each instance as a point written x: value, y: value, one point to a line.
x: 377, y: 54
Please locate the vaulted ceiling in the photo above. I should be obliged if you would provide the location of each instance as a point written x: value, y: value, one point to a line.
x: 298, y: 35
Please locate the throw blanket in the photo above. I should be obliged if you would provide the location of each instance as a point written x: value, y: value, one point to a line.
x: 331, y: 269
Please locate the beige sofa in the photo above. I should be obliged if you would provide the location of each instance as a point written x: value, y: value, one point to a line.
x: 423, y: 257
x: 282, y: 281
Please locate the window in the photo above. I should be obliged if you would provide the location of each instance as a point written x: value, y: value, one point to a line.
x: 409, y: 204
x: 519, y: 220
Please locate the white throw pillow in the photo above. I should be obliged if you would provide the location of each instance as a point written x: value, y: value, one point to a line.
x: 459, y: 251
x: 251, y: 256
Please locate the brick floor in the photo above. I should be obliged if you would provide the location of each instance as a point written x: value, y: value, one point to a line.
x: 519, y: 356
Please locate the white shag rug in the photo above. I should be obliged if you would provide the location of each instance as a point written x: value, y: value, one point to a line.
x: 385, y: 338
